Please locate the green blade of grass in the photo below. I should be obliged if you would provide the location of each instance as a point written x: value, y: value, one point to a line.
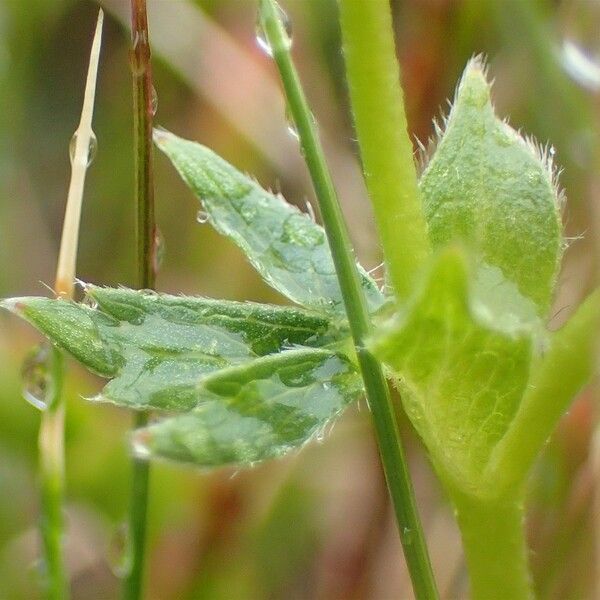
x: 377, y: 391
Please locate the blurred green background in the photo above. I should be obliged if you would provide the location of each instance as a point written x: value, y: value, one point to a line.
x: 318, y: 524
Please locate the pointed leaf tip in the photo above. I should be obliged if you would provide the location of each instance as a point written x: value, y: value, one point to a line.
x: 286, y: 246
x: 488, y: 188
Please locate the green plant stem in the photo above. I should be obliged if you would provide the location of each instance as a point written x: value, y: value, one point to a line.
x: 567, y: 366
x: 495, y: 548
x: 388, y: 437
x: 387, y: 153
x: 52, y: 472
x: 146, y: 265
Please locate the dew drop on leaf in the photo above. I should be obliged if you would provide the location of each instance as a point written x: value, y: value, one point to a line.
x: 261, y: 38
x: 202, y: 217
x: 580, y: 49
x: 92, y: 148
x: 35, y: 375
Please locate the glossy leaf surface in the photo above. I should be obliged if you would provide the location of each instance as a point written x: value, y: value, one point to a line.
x: 257, y: 410
x: 287, y: 248
x: 157, y: 347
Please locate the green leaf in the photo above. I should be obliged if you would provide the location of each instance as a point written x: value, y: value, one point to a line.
x: 157, y: 347
x: 461, y: 364
x: 287, y: 248
x: 489, y: 188
x: 257, y: 410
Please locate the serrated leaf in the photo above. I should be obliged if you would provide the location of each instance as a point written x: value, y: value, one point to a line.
x: 461, y: 366
x: 286, y: 247
x: 256, y: 411
x: 157, y: 347
x: 489, y: 188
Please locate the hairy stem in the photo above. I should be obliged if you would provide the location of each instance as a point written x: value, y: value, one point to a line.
x: 386, y: 150
x: 388, y: 437
x: 494, y: 542
x: 51, y: 435
x: 146, y: 234
x: 567, y: 366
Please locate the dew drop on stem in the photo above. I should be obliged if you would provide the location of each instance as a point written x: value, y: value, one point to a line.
x: 159, y: 249
x: 202, y: 217
x: 92, y: 148
x: 261, y: 37
x: 580, y: 48
x: 153, y: 101
x: 291, y: 125
x: 36, y: 376
x: 118, y: 552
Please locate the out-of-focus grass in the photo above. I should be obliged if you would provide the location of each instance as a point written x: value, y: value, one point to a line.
x: 316, y: 524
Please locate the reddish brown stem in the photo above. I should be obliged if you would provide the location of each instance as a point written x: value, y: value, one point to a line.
x: 146, y: 241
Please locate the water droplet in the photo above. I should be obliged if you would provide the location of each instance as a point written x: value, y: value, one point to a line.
x: 92, y: 148
x: 407, y: 536
x: 118, y: 552
x: 202, y: 217
x: 159, y: 249
x: 139, y: 444
x: 138, y: 66
x: 90, y: 301
x: 35, y: 374
x: 291, y: 125
x: 261, y: 38
x: 311, y: 211
x: 153, y: 101
x: 580, y: 50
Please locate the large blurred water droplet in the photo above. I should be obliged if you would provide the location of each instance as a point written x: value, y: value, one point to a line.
x: 261, y: 37
x: 36, y: 377
x: 580, y: 50
x: 92, y: 148
x: 202, y: 217
x: 153, y: 100
x: 119, y: 552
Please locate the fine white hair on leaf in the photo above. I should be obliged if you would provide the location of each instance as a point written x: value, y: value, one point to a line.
x: 544, y: 153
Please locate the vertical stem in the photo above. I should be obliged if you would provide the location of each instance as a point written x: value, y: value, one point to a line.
x: 386, y: 150
x: 143, y: 117
x: 494, y: 542
x: 143, y: 114
x: 388, y: 437
x: 52, y: 475
x: 51, y: 434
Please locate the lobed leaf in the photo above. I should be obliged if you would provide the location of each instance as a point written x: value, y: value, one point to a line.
x: 461, y: 365
x: 157, y: 347
x: 287, y: 248
x: 257, y: 410
x: 491, y: 189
